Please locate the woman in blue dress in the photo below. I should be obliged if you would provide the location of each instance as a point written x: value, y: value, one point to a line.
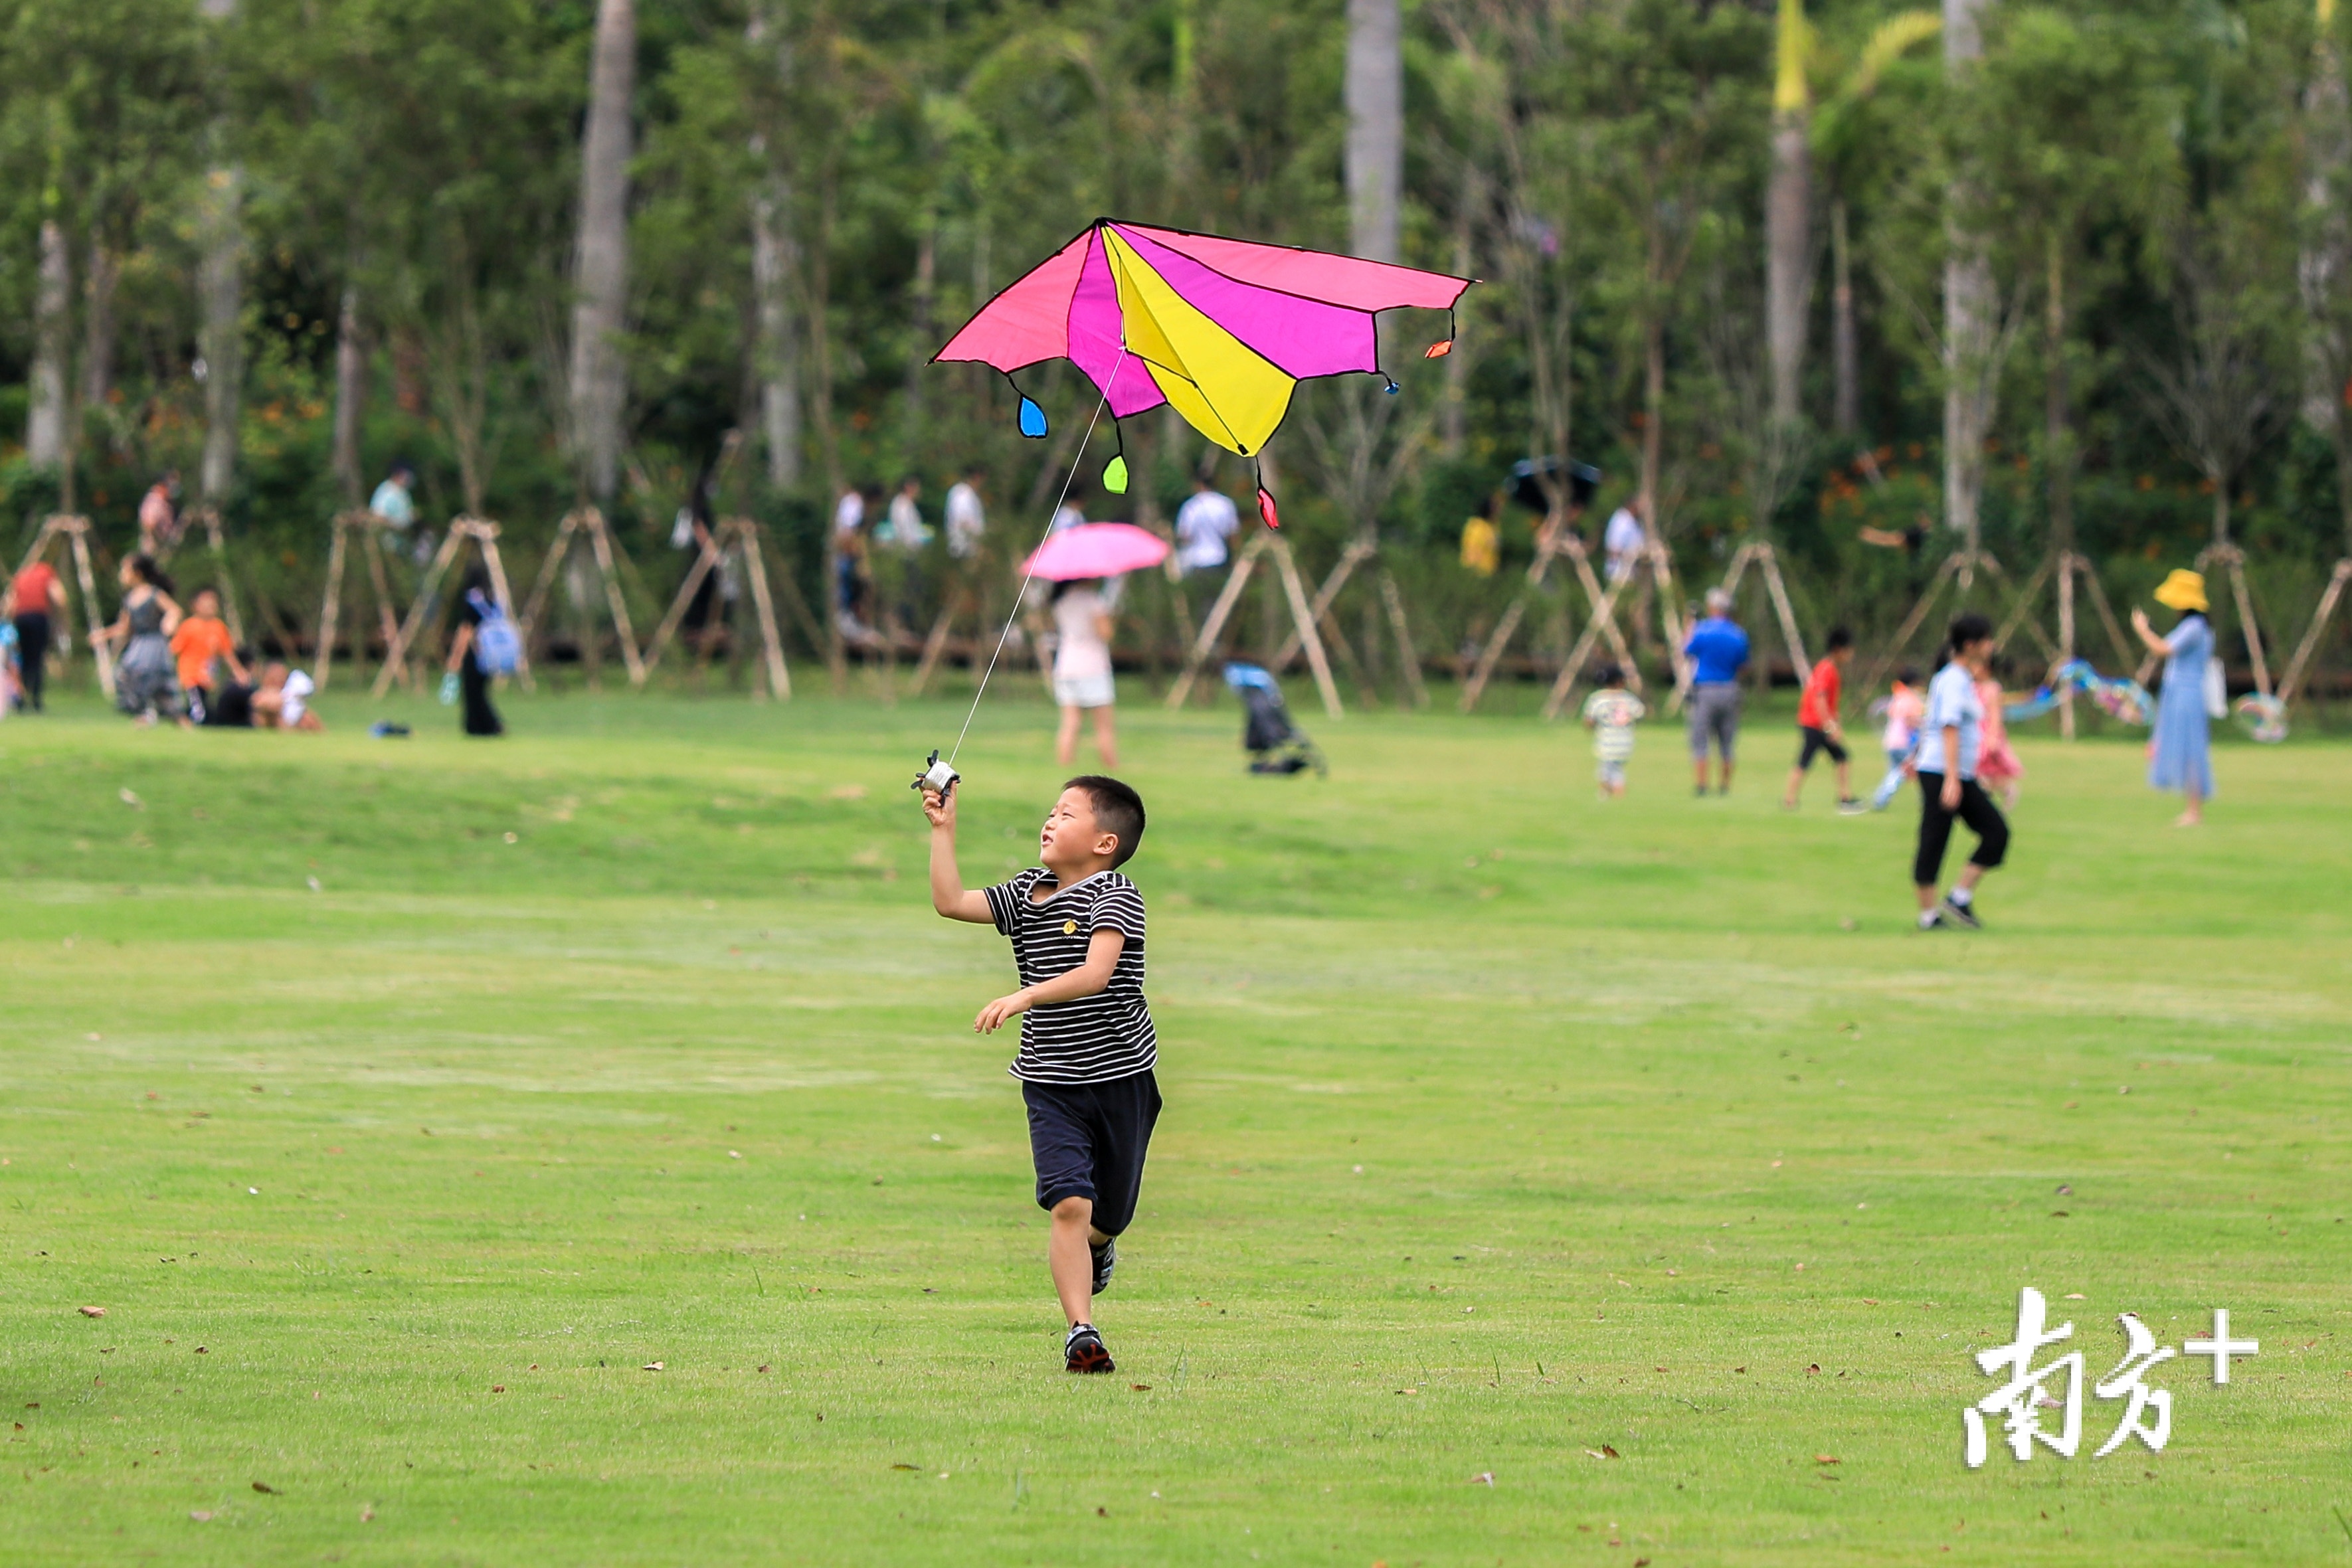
x: 2181, y: 755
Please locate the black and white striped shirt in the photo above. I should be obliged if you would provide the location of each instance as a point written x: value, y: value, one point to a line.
x: 1096, y: 1039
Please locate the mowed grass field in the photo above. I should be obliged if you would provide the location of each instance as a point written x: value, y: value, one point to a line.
x: 1542, y: 1181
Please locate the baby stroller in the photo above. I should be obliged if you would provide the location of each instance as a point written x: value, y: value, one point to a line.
x: 1275, y: 744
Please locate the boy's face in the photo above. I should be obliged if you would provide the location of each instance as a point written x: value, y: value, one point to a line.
x: 1843, y: 656
x: 208, y: 604
x: 1071, y: 836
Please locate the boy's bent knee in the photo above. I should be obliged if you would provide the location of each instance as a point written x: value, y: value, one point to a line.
x: 1075, y: 1211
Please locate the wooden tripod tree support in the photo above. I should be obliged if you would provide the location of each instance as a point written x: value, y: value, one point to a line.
x: 370, y: 528
x: 589, y: 521
x: 1653, y: 560
x: 1760, y: 554
x: 2292, y: 682
x: 960, y: 600
x: 1957, y: 570
x: 1557, y: 540
x: 484, y: 535
x: 1302, y: 619
x: 741, y: 536
x: 75, y: 530
x: 2234, y: 559
x: 223, y: 584
x: 1361, y: 549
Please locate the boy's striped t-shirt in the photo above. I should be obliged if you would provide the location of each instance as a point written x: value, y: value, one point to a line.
x: 1612, y: 713
x: 1096, y: 1039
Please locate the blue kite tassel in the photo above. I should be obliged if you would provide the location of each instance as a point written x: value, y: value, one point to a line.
x: 1033, y: 419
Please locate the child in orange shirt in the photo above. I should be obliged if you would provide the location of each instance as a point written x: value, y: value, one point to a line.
x: 1817, y: 721
x: 201, y: 642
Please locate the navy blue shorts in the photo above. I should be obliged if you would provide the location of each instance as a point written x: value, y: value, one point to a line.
x: 1088, y: 1140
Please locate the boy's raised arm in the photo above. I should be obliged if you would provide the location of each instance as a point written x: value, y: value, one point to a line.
x: 949, y: 894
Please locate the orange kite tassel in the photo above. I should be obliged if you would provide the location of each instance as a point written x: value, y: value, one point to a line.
x: 1265, y: 507
x: 1438, y: 350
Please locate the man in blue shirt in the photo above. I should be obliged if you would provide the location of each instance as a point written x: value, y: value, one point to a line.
x: 1717, y: 648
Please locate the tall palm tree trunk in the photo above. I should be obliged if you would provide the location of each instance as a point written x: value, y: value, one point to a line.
x: 599, y: 372
x: 1375, y: 94
x: 44, y: 424
x: 1788, y: 217
x: 1969, y: 308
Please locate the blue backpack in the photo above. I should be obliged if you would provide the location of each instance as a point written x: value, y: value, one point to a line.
x: 496, y: 649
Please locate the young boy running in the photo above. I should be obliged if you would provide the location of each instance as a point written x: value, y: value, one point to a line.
x: 1817, y: 722
x: 1906, y: 705
x: 1611, y: 712
x: 1088, y: 1046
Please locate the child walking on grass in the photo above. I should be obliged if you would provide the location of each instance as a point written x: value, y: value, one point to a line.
x: 1088, y: 1046
x: 1906, y: 705
x: 1817, y: 725
x: 1611, y: 712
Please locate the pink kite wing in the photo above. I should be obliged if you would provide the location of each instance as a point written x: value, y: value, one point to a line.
x: 1030, y: 321
x: 1095, y: 550
x: 1321, y: 275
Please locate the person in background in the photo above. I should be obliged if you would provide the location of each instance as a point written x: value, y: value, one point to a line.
x: 201, y: 642
x: 1623, y: 540
x: 1205, y: 525
x: 1952, y: 738
x: 36, y: 594
x: 1482, y: 542
x: 1905, y: 704
x: 1999, y: 767
x: 159, y: 514
x: 850, y: 570
x: 11, y: 676
x: 2180, y: 753
x: 473, y: 681
x: 394, y: 502
x: 1082, y: 669
x: 1818, y: 728
x: 967, y: 519
x: 904, y: 526
x: 1611, y: 712
x: 1071, y: 513
x: 282, y: 701
x: 1717, y: 650
x: 146, y: 682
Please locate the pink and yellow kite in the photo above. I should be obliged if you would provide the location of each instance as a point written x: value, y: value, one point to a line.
x: 1220, y: 329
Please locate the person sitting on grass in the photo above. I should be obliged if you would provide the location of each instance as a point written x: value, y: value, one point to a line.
x: 1088, y: 1046
x: 201, y: 642
x: 1951, y: 737
x: 282, y: 701
x: 1818, y: 726
x: 1611, y: 712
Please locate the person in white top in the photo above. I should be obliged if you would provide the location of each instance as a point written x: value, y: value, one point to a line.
x: 1952, y: 734
x: 1623, y: 540
x: 1071, y: 513
x: 967, y: 519
x: 1205, y: 525
x: 1082, y: 672
x: 905, y: 526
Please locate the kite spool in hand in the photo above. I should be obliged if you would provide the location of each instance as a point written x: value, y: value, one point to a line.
x: 937, y: 777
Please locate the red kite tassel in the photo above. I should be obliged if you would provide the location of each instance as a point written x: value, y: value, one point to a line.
x: 1438, y: 350
x: 1265, y: 507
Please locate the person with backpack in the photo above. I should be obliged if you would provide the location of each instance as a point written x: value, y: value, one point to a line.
x: 485, y: 647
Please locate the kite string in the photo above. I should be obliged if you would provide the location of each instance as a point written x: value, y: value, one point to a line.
x: 1030, y: 573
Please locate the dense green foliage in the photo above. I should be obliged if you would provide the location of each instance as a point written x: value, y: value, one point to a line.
x: 2164, y: 171
x: 1505, y: 1132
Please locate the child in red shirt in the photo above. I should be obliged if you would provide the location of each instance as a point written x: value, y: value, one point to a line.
x: 1817, y: 721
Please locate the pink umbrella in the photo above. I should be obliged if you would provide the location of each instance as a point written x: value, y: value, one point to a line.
x: 1096, y: 549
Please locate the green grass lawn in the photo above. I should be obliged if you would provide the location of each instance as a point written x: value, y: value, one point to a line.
x: 401, y: 1102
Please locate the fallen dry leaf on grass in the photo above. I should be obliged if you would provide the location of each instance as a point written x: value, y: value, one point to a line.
x: 1604, y: 1452
x: 498, y: 1388
x: 1482, y: 1478
x: 653, y: 1366
x: 93, y: 1312
x: 367, y: 1513
x: 1827, y: 1460
x: 201, y: 1515
x: 131, y: 799
x: 265, y: 1489
x: 903, y: 1467
x: 1140, y: 1387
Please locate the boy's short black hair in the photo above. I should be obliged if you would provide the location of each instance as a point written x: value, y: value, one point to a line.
x: 1966, y: 629
x: 1607, y: 675
x: 1119, y: 809
x: 1908, y: 675
x: 1840, y: 638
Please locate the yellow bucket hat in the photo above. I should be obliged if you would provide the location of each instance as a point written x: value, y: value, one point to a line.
x: 2184, y: 590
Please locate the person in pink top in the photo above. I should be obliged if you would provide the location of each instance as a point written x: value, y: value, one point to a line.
x: 1998, y: 768
x: 1906, y: 706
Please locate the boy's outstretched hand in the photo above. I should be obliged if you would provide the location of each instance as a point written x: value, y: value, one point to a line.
x: 939, y: 809
x: 1000, y: 1012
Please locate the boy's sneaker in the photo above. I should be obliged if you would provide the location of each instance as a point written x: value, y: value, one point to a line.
x: 1933, y: 920
x: 1850, y: 807
x: 1106, y: 1258
x: 1084, y: 1350
x: 1961, y: 914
